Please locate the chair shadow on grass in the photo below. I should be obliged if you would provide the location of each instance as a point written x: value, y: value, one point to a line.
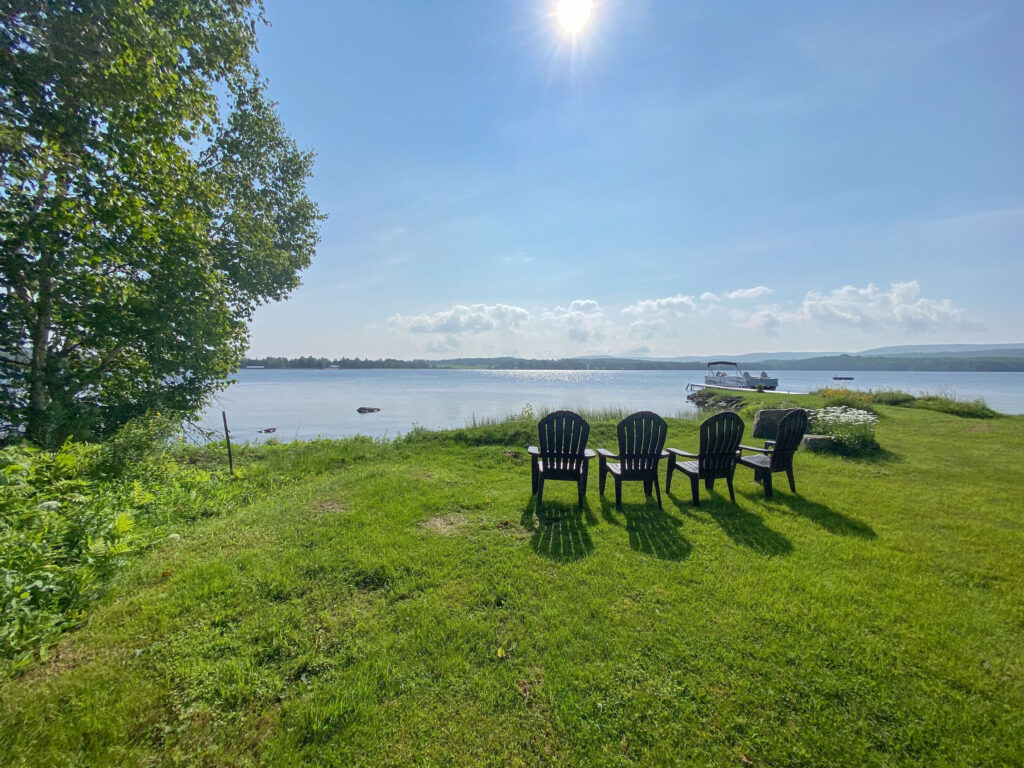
x: 881, y: 456
x: 742, y: 526
x: 560, y: 532
x: 828, y: 518
x: 651, y: 531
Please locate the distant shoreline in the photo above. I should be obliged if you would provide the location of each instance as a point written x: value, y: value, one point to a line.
x: 994, y: 364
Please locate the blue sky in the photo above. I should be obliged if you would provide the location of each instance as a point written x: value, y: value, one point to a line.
x: 679, y: 178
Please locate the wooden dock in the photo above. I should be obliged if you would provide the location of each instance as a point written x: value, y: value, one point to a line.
x: 696, y: 387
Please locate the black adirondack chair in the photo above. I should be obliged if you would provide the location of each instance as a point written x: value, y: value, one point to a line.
x: 777, y: 455
x: 562, y: 453
x: 641, y: 447
x: 719, y: 447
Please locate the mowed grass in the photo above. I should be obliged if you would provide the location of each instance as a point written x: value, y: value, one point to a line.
x: 412, y: 608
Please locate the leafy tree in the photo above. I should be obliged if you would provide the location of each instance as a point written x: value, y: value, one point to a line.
x: 150, y: 200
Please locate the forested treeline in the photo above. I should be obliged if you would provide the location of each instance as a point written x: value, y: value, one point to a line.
x: 323, y: 362
x: 829, y: 363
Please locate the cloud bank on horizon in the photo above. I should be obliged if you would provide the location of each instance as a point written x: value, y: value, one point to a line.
x: 662, y: 325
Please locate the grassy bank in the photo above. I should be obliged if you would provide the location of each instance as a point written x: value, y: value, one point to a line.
x: 404, y: 603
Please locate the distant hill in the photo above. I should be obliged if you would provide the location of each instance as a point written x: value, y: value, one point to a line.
x: 951, y: 362
x: 948, y: 350
x: 748, y: 357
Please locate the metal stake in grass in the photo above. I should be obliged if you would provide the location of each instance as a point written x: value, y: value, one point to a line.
x: 227, y: 439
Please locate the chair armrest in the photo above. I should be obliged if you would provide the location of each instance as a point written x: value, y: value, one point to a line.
x: 664, y: 454
x: 687, y: 454
x: 758, y: 450
x: 604, y: 453
x: 533, y: 450
x: 769, y: 443
x: 588, y: 453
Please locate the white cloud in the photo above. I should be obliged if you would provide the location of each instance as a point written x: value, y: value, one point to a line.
x: 868, y: 309
x: 749, y: 293
x: 475, y: 318
x: 738, y: 294
x: 766, y: 319
x: 678, y: 304
x: 583, y: 321
x: 681, y: 304
x: 443, y: 344
x: 649, y: 329
x: 682, y: 324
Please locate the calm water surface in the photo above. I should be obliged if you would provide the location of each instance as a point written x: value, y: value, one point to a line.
x: 305, y: 404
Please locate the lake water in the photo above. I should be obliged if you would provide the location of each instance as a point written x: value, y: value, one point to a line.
x: 305, y: 404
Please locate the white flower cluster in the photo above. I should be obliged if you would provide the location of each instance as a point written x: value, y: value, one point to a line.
x: 842, y: 414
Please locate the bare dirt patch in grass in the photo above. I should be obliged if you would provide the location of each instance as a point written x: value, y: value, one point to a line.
x: 976, y: 428
x: 515, y: 530
x: 67, y: 657
x: 330, y: 505
x: 446, y: 525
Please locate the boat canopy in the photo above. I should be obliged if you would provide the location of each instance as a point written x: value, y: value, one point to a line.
x: 724, y: 362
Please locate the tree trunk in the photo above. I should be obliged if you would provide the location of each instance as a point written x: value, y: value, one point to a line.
x: 38, y: 427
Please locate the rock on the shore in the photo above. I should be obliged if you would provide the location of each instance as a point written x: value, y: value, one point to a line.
x: 817, y: 442
x: 766, y: 422
x: 705, y: 398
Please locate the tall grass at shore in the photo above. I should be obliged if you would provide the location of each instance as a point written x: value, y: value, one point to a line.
x: 943, y: 402
x: 607, y: 413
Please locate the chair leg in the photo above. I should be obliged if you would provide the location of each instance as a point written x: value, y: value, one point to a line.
x: 533, y: 476
x: 792, y: 482
x: 618, y: 494
x: 581, y: 489
x: 695, y: 491
x: 768, y: 485
x: 709, y: 483
x: 668, y: 476
x: 657, y: 490
x: 732, y: 494
x: 602, y: 476
x: 647, y: 488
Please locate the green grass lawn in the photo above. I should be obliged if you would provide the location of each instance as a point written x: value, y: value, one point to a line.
x: 408, y: 606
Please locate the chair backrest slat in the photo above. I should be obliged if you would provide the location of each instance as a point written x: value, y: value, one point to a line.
x: 720, y: 438
x: 791, y: 431
x: 641, y: 441
x: 562, y: 438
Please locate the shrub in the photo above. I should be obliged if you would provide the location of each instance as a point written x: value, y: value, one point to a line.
x: 61, y: 534
x: 136, y: 446
x: 892, y: 397
x: 969, y: 409
x: 851, y: 429
x: 849, y: 398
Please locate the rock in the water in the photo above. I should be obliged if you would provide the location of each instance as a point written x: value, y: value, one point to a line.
x: 366, y: 409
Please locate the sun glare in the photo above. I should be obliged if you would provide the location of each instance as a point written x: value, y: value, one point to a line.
x: 573, y: 15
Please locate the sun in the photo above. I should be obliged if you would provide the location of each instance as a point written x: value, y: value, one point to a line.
x: 573, y: 15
